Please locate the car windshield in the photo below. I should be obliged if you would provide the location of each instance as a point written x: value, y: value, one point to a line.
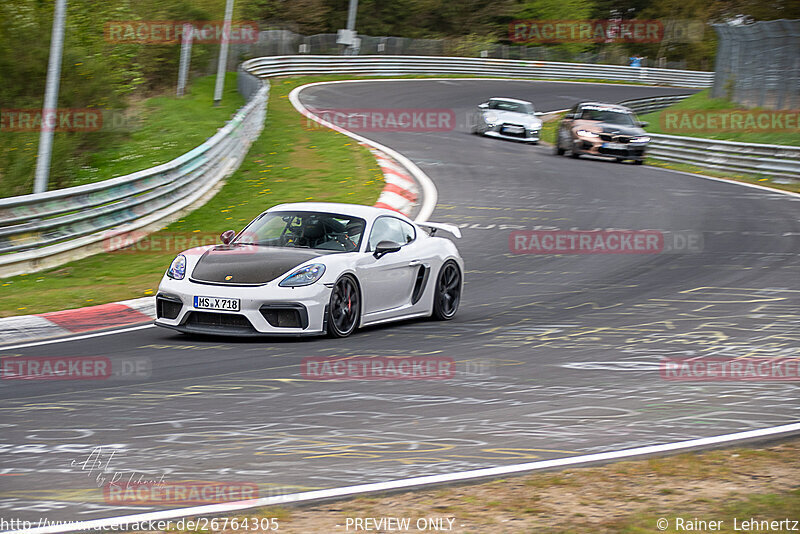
x: 610, y: 116
x: 304, y: 229
x: 517, y: 107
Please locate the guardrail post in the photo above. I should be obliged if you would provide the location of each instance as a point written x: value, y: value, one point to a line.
x: 223, y: 53
x: 186, y: 58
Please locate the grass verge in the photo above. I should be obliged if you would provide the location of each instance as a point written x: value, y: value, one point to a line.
x: 701, y: 102
x: 290, y: 162
x: 622, y: 498
x: 158, y: 133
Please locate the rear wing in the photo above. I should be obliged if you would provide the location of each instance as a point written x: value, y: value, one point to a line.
x: 451, y: 228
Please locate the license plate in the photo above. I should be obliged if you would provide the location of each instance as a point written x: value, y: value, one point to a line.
x: 615, y: 146
x: 215, y: 303
x: 513, y: 129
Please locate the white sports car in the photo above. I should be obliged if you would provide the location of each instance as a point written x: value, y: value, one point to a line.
x: 313, y: 268
x: 508, y: 118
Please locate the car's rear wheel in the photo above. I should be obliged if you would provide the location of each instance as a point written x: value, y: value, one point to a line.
x: 638, y: 162
x: 344, y: 308
x: 557, y: 149
x: 620, y: 160
x: 448, y: 292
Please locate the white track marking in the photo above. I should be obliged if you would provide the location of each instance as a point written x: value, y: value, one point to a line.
x: 349, y: 491
x: 75, y: 338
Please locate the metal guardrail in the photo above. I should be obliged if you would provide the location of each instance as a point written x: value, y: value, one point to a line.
x: 46, y: 229
x: 398, y: 65
x: 749, y: 158
x: 648, y: 105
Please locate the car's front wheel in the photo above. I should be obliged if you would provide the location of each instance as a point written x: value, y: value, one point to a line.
x: 448, y: 292
x: 344, y: 308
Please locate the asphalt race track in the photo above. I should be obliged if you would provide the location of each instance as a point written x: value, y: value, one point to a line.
x: 557, y: 355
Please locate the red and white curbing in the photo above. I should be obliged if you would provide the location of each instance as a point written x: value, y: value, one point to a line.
x: 79, y: 320
x: 400, y: 192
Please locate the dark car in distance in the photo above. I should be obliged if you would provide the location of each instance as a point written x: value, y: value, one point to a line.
x: 599, y: 129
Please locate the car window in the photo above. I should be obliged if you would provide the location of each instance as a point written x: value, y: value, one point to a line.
x: 306, y: 229
x: 391, y: 229
x: 505, y: 105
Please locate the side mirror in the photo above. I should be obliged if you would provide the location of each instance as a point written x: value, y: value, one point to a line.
x: 484, y: 105
x: 385, y: 247
x: 644, y: 124
x: 227, y: 236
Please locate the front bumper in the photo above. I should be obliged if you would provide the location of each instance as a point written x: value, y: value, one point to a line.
x: 597, y: 148
x: 264, y: 310
x: 501, y: 131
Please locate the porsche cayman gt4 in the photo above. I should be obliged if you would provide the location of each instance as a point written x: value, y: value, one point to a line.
x: 313, y: 268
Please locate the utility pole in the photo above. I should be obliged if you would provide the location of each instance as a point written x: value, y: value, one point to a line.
x: 223, y: 53
x: 351, y: 15
x: 49, y: 111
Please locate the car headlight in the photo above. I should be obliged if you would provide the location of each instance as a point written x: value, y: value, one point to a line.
x: 586, y: 133
x: 304, y: 276
x: 490, y: 118
x: 177, y: 269
x: 640, y: 139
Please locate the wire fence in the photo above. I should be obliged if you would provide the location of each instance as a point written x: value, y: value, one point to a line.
x: 286, y: 43
x: 759, y: 64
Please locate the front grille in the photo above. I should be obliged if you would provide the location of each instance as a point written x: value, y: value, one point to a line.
x: 167, y: 308
x: 218, y: 320
x: 613, y: 151
x: 615, y: 138
x: 512, y: 134
x: 285, y: 315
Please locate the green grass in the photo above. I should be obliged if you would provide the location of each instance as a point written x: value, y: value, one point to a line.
x: 289, y: 162
x: 158, y: 134
x: 703, y: 102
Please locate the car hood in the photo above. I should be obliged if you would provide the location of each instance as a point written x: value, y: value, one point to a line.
x: 515, y: 118
x: 605, y: 127
x: 249, y: 264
